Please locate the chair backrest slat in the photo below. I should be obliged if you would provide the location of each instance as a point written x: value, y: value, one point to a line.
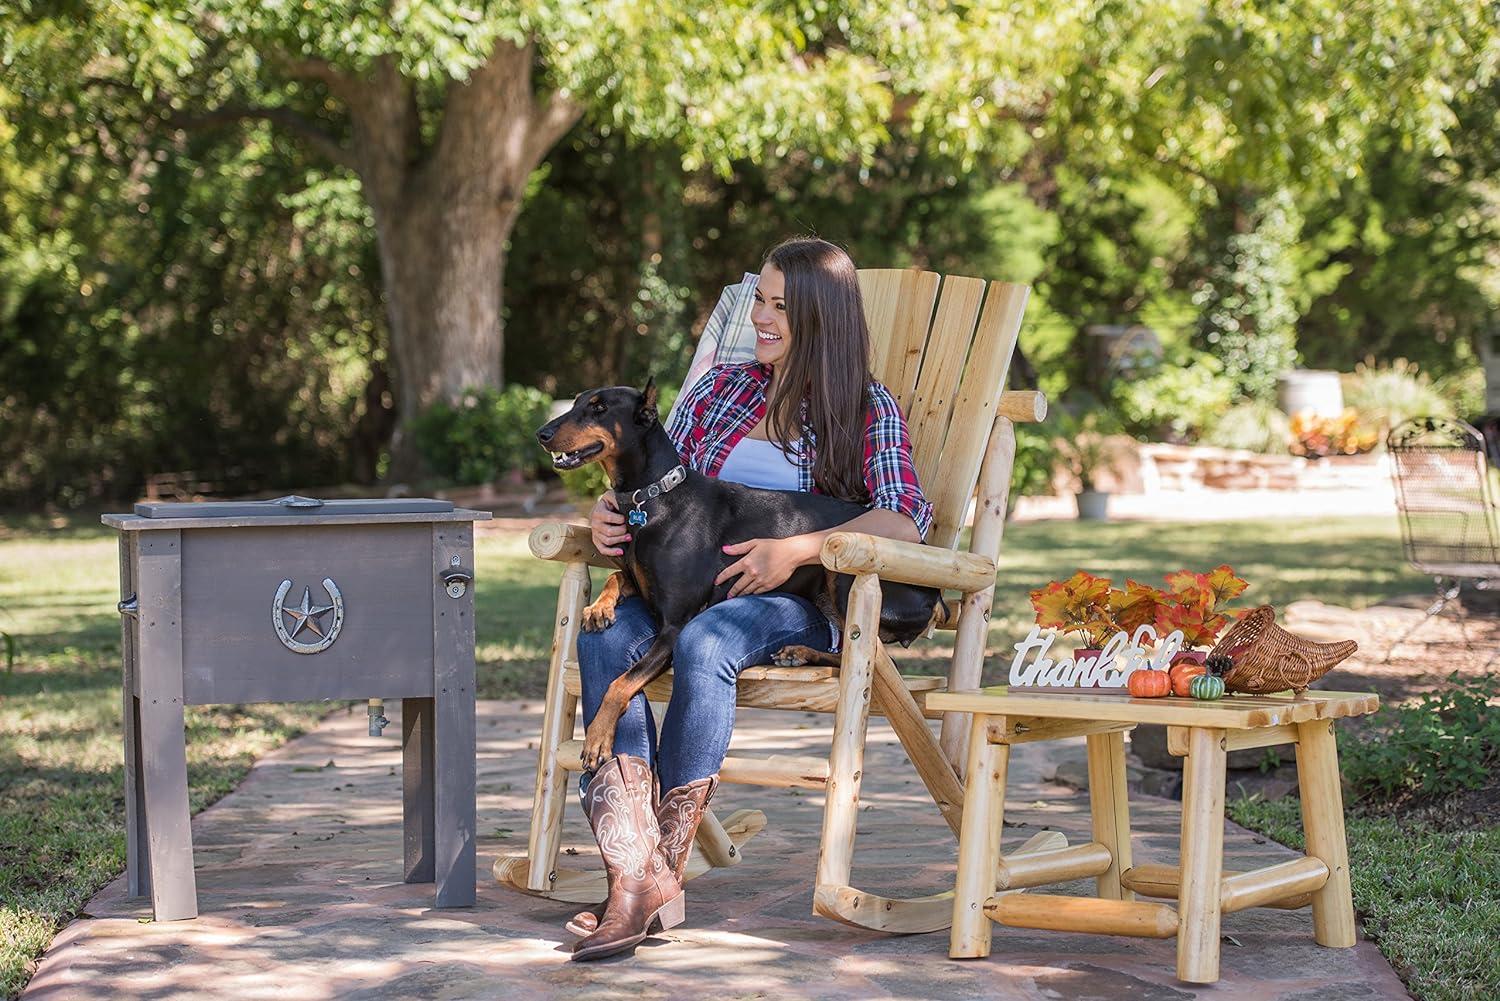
x: 898, y: 309
x: 974, y: 410
x: 946, y: 370
x: 942, y: 366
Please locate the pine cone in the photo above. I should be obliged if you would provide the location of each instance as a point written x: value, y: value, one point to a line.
x: 1219, y: 664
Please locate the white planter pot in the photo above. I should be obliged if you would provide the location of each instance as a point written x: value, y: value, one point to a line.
x: 1093, y: 505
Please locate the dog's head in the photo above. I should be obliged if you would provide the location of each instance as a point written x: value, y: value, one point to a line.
x: 602, y: 424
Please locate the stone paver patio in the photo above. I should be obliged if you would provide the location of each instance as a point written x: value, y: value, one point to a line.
x: 300, y: 895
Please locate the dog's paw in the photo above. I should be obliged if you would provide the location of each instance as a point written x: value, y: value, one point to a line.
x: 598, y: 616
x: 790, y: 656
x: 596, y: 748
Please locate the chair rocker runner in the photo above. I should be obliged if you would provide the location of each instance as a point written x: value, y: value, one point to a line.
x: 942, y: 346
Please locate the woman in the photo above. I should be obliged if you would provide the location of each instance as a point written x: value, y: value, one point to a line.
x: 805, y: 415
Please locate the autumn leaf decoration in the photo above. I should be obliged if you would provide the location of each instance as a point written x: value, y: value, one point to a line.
x: 1195, y: 604
x: 1080, y: 604
x: 1192, y: 602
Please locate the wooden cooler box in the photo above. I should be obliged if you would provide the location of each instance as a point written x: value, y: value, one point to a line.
x: 298, y: 600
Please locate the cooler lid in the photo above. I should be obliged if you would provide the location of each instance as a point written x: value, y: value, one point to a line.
x: 293, y: 504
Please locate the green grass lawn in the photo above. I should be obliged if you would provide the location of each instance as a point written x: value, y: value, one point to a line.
x: 61, y: 784
x: 1429, y: 897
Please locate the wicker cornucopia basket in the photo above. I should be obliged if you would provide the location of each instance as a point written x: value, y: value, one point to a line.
x: 1259, y: 657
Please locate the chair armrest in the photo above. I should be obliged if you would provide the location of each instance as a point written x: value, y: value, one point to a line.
x: 907, y: 562
x: 1026, y: 406
x: 568, y: 543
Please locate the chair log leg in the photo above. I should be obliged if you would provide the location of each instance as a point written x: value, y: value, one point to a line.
x: 1198, y: 902
x: 846, y: 758
x: 979, y: 842
x: 1109, y: 804
x: 921, y: 746
x: 1323, y: 823
x: 557, y: 726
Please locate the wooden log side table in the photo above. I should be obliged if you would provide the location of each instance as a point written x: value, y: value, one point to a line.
x: 1203, y: 732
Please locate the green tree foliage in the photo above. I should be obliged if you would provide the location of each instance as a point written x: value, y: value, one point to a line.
x: 241, y: 238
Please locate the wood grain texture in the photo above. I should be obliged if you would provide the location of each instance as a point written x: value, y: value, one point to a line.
x: 453, y: 743
x: 1236, y: 712
x: 163, y: 754
x: 231, y: 651
x: 1090, y: 915
x: 558, y: 716
x: 1323, y: 823
x: 898, y: 310
x: 1109, y: 808
x: 847, y: 754
x: 1198, y: 903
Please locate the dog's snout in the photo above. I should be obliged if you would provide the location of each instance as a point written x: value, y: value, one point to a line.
x: 545, y: 432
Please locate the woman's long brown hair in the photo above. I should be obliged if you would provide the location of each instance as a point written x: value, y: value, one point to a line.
x: 827, y: 363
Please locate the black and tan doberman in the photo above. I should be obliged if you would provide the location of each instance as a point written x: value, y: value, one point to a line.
x: 676, y: 552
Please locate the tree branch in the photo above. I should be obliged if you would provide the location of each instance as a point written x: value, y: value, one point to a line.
x: 550, y: 121
x: 338, y: 82
x: 286, y: 118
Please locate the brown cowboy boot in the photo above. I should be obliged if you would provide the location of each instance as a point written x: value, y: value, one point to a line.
x: 677, y: 816
x: 642, y: 885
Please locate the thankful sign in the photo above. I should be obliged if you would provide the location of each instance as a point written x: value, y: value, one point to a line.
x: 1106, y: 668
x: 1125, y: 629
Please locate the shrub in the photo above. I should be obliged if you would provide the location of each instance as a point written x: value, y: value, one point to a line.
x: 1444, y: 742
x: 1175, y: 400
x: 1256, y: 427
x: 486, y: 434
x: 1384, y: 397
x: 1464, y: 390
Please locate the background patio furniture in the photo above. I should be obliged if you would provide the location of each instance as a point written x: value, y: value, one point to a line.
x: 1446, y: 498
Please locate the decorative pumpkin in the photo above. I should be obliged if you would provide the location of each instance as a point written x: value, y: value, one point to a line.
x: 1206, y: 687
x: 1145, y: 683
x: 1182, y: 674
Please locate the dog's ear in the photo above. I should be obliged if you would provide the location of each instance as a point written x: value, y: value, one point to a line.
x: 646, y: 414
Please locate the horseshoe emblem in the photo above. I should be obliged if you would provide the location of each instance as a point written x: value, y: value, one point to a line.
x: 308, y: 618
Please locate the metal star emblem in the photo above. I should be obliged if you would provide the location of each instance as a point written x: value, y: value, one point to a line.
x: 306, y: 615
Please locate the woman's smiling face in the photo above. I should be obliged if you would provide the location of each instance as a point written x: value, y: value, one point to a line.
x: 773, y: 337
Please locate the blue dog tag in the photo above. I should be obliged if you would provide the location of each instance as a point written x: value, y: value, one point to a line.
x: 636, y: 517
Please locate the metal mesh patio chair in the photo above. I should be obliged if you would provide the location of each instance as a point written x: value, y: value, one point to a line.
x: 1445, y: 497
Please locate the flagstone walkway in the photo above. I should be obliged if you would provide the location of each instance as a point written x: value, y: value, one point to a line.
x: 300, y: 896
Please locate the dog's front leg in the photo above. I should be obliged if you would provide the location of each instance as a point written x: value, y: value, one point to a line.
x: 601, y: 614
x: 599, y: 738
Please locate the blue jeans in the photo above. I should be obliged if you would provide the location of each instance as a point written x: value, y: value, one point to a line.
x: 710, y: 653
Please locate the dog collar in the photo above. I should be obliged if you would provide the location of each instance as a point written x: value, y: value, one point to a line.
x: 637, y: 515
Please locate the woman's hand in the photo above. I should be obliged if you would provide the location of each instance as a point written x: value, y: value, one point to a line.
x: 607, y: 525
x: 765, y: 564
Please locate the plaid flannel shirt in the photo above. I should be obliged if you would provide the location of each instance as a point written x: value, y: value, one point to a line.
x: 723, y: 405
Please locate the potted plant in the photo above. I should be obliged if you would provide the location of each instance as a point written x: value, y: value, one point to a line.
x: 1086, y: 451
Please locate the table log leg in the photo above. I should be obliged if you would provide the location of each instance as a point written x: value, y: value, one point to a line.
x: 1323, y: 823
x: 979, y: 841
x: 1202, y: 857
x: 1109, y: 804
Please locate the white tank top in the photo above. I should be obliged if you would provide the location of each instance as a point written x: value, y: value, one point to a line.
x: 758, y: 463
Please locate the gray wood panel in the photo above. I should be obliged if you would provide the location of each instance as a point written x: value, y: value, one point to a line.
x: 416, y: 790
x: 137, y: 871
x: 230, y: 579
x: 163, y: 756
x: 453, y: 725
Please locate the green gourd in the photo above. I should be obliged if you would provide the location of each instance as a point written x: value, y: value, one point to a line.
x: 1206, y: 687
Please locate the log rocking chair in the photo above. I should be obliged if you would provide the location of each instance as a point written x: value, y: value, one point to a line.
x: 942, y: 345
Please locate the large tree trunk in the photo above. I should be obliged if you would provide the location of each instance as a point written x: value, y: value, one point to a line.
x: 443, y: 213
